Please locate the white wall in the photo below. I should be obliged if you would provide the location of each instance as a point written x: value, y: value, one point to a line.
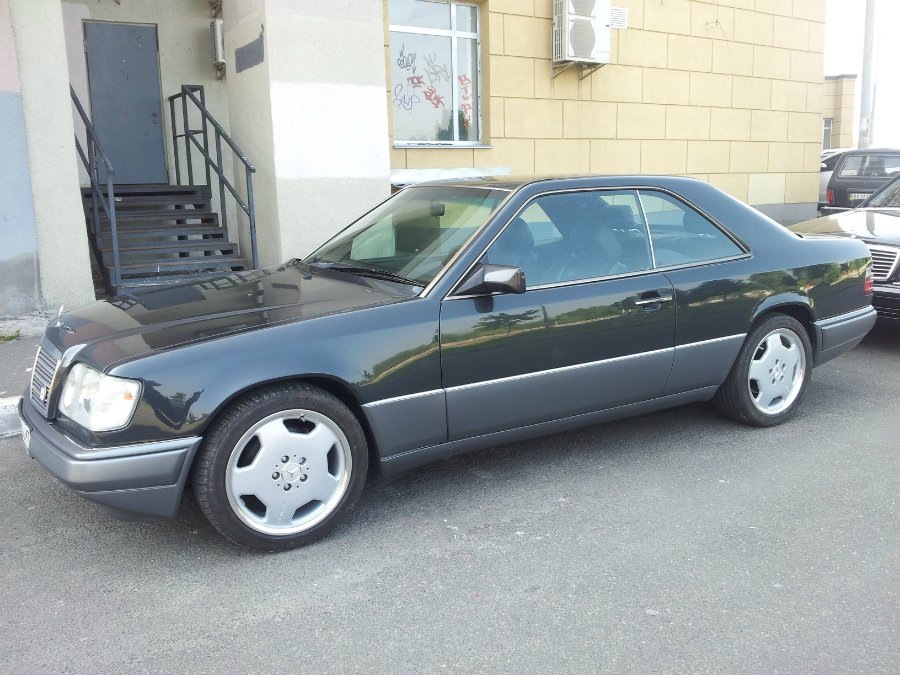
x: 64, y: 262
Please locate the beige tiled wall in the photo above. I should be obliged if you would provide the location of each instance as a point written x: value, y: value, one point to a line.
x: 839, y: 103
x: 731, y: 91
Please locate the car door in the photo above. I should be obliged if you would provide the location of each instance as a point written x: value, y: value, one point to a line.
x: 714, y: 291
x: 594, y: 329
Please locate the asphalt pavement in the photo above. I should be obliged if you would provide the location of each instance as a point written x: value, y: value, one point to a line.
x: 677, y: 541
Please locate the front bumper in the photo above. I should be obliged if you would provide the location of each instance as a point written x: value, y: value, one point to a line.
x: 886, y: 301
x: 145, y: 480
x: 838, y: 334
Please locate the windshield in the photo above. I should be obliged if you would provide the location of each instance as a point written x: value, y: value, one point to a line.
x: 412, y: 235
x: 887, y: 197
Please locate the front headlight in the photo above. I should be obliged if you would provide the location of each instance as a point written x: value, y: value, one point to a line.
x: 97, y: 401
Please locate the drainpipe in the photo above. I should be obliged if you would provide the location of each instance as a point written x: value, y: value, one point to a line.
x: 867, y: 104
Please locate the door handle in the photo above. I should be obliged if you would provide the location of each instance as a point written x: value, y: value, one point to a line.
x: 655, y: 299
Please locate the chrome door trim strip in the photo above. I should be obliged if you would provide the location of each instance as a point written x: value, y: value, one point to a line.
x: 405, y: 397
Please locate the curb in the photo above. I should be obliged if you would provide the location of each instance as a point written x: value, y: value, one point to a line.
x: 9, y: 416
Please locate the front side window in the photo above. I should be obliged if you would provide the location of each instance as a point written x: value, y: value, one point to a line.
x: 413, y: 235
x: 435, y: 74
x: 680, y: 234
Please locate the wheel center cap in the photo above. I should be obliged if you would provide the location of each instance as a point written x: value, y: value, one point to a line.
x: 291, y: 472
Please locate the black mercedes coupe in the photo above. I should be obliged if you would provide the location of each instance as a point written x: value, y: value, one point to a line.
x: 452, y: 317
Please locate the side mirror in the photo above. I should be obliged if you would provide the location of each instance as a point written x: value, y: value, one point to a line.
x: 823, y: 167
x: 493, y: 279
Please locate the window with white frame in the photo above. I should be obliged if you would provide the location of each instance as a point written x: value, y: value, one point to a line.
x: 827, y: 125
x: 435, y: 72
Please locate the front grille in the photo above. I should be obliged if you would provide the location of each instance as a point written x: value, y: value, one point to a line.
x: 42, y: 376
x: 884, y: 261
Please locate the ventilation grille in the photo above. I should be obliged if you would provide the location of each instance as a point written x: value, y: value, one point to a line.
x: 42, y: 376
x: 884, y: 261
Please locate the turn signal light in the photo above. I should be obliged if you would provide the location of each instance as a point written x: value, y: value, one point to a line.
x: 870, y: 281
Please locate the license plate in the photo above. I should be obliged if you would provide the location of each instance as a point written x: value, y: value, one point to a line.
x: 859, y: 196
x: 26, y: 435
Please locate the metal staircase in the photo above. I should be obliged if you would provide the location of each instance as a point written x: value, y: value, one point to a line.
x: 151, y: 235
x: 165, y: 233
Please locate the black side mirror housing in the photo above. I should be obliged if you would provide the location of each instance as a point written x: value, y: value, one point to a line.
x: 493, y: 279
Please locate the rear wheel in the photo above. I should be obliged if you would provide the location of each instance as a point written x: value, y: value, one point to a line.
x: 281, y: 467
x: 770, y: 376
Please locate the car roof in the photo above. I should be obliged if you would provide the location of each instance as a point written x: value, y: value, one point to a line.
x: 516, y: 182
x: 873, y: 151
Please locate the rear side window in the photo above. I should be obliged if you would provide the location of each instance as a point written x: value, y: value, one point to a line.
x: 680, y: 235
x: 871, y: 166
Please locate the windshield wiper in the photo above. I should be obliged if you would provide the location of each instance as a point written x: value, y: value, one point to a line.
x: 367, y: 272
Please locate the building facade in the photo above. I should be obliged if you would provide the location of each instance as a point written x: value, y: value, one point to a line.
x: 335, y: 101
x: 839, y: 112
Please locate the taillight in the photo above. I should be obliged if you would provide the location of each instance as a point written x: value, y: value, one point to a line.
x: 870, y: 280
x: 829, y: 196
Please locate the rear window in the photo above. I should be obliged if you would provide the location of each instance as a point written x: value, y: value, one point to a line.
x: 870, y: 166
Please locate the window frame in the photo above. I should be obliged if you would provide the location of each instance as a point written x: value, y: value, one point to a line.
x: 454, y: 36
x: 827, y: 132
x: 744, y: 254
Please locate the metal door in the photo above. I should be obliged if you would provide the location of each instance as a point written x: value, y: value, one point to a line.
x: 126, y: 108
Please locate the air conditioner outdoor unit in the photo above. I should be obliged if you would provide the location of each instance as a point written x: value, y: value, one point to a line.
x: 217, y: 41
x: 581, y: 31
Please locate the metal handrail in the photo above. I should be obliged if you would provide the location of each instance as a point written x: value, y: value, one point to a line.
x: 91, y: 161
x: 188, y: 137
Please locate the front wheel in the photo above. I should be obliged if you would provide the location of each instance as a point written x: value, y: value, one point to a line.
x: 281, y: 467
x: 770, y: 376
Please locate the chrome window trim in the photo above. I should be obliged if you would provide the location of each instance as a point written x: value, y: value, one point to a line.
x: 550, y: 371
x: 697, y: 263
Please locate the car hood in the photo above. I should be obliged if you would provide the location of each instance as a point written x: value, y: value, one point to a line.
x: 123, y: 327
x: 874, y: 226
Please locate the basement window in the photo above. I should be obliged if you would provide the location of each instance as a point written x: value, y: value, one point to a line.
x: 435, y: 73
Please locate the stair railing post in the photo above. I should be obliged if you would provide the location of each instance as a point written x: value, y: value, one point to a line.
x: 251, y: 214
x: 174, y: 123
x: 220, y: 171
x: 206, y: 133
x: 187, y: 142
x: 93, y: 178
x: 113, y: 227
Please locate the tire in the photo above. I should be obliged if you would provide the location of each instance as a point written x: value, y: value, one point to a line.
x: 767, y: 383
x: 281, y: 467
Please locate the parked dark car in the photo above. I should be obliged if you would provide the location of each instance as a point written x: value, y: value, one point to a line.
x: 452, y: 317
x: 877, y: 223
x: 830, y: 158
x: 858, y: 174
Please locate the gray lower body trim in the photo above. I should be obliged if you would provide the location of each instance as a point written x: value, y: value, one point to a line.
x: 144, y: 480
x: 408, y: 422
x: 413, y: 458
x: 703, y: 364
x: 485, y: 407
x: 842, y: 333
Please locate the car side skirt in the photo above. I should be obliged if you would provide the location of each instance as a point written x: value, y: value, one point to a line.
x: 408, y: 460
